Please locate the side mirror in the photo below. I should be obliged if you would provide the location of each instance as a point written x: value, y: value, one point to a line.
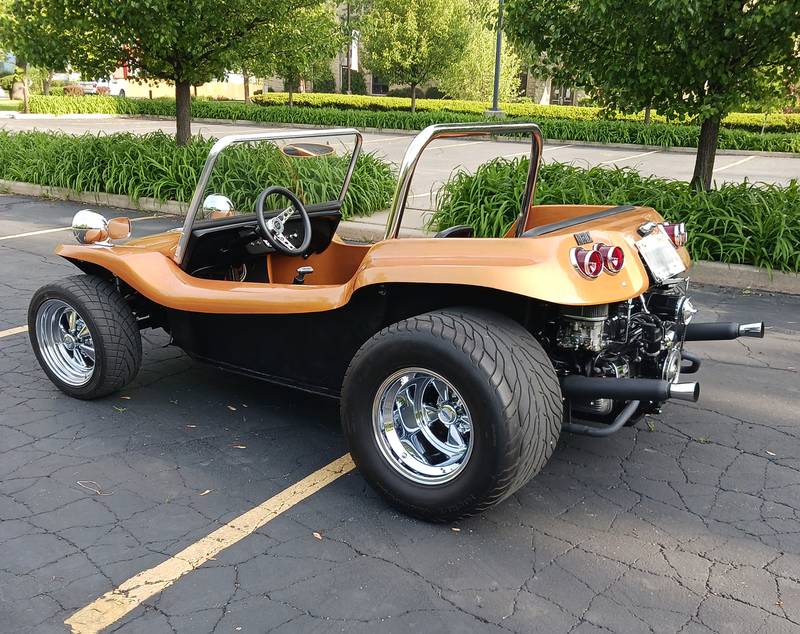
x: 217, y: 207
x: 119, y: 228
x: 89, y: 227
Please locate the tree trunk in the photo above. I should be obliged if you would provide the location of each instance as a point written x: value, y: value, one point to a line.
x: 413, y: 97
x: 291, y: 95
x: 26, y: 104
x: 647, y: 115
x: 183, y: 112
x: 46, y: 83
x: 706, y: 153
x: 246, y: 77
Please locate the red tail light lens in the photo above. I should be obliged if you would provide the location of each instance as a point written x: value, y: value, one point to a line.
x: 587, y: 263
x: 613, y: 258
x: 676, y: 232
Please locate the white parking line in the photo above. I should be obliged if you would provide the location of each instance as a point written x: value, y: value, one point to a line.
x: 628, y: 158
x: 459, y: 144
x: 734, y: 164
x: 13, y: 331
x: 115, y: 604
x: 527, y: 152
x: 44, y: 231
x: 387, y: 139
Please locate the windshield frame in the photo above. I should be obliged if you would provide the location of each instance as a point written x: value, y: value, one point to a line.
x: 235, y: 139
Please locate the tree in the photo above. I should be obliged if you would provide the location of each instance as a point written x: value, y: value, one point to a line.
x: 300, y: 49
x: 472, y: 76
x: 186, y: 42
x: 28, y: 28
x: 413, y: 41
x: 695, y: 58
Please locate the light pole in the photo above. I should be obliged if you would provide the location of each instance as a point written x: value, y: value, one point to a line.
x: 495, y: 111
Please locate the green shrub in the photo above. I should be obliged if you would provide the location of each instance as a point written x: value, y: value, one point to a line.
x: 323, y: 80
x: 153, y: 166
x: 737, y: 223
x: 308, y: 110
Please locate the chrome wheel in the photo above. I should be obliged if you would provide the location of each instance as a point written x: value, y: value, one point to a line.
x: 65, y: 342
x: 422, y: 426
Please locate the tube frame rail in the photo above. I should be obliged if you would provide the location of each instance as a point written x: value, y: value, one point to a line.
x: 463, y: 130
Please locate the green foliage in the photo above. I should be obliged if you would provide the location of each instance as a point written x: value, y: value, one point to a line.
x: 323, y: 80
x: 472, y: 76
x: 300, y: 48
x: 699, y: 58
x: 153, y: 166
x: 737, y: 223
x: 413, y: 41
x: 32, y: 29
x: 695, y: 58
x: 187, y: 42
x: 593, y: 131
x: 358, y: 85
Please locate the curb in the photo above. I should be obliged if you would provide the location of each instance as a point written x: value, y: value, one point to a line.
x: 93, y: 198
x: 744, y: 276
x: 411, y: 133
x: 741, y: 276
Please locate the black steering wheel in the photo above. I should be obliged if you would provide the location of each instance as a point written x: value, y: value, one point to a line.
x: 273, y: 228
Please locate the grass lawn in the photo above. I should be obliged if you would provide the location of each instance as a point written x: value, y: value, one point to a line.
x: 9, y: 104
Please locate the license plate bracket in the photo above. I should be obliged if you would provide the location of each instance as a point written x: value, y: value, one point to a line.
x: 660, y: 256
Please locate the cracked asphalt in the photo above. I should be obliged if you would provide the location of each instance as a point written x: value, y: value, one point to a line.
x: 689, y: 524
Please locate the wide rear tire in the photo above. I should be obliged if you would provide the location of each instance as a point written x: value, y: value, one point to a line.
x: 85, y: 336
x: 473, y: 369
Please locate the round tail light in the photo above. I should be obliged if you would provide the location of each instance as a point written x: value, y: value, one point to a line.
x: 613, y: 258
x: 587, y: 263
x: 676, y: 232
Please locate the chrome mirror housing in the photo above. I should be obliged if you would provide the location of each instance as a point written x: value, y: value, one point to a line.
x: 217, y: 206
x: 89, y: 227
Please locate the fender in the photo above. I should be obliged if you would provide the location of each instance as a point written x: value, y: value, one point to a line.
x: 538, y: 268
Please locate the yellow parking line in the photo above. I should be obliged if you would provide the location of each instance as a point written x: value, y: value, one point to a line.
x: 13, y: 331
x: 113, y: 605
x: 44, y: 231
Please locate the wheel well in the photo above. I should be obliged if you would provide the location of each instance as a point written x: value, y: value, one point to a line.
x: 406, y: 300
x: 90, y: 268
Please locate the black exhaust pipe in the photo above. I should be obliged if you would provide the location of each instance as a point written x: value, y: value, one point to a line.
x: 589, y: 388
x: 723, y: 330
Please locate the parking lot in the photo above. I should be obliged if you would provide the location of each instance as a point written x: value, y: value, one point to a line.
x: 688, y: 523
x: 441, y: 158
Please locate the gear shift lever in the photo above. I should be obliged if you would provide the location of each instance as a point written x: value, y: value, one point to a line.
x: 300, y: 278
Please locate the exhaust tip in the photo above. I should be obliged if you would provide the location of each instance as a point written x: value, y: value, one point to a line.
x: 752, y: 330
x: 685, y: 391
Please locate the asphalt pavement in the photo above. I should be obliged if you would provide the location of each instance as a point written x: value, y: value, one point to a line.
x: 443, y: 156
x: 690, y: 523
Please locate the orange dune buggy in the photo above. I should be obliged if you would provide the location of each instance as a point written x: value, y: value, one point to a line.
x: 458, y: 360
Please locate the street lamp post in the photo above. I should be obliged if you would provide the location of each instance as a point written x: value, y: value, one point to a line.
x: 495, y: 111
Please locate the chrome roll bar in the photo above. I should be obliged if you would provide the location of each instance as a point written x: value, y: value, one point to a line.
x: 235, y: 139
x: 452, y: 130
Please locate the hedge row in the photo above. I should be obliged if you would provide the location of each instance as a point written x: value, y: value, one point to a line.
x: 745, y: 121
x: 152, y: 166
x: 742, y: 223
x: 596, y: 131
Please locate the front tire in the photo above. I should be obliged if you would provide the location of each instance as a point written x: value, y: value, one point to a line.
x: 85, y: 336
x: 450, y: 412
